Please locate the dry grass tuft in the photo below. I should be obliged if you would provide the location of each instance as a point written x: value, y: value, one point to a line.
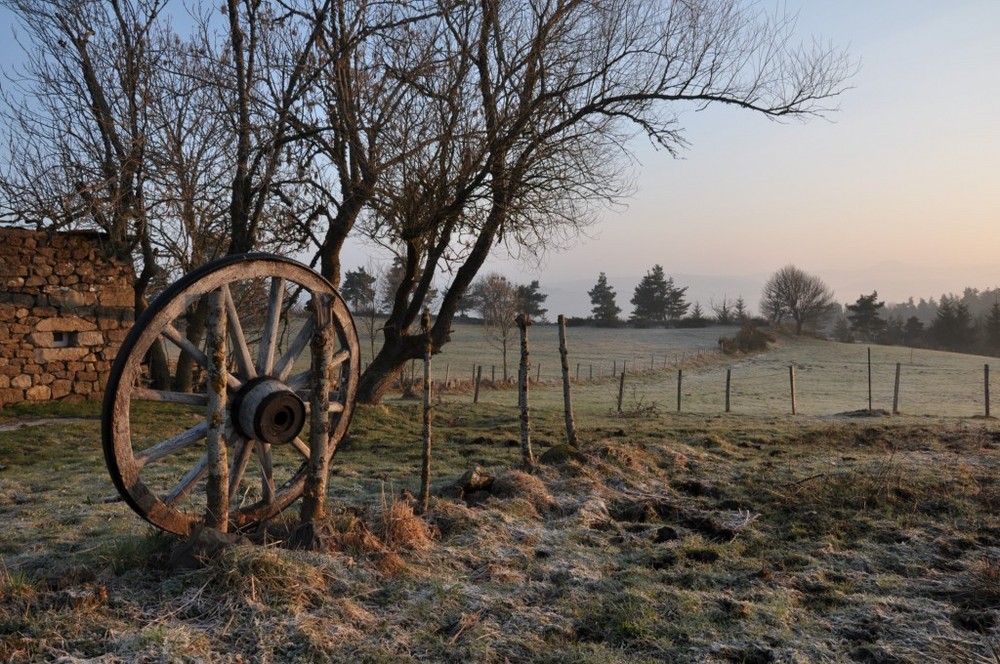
x: 399, y: 528
x: 518, y: 484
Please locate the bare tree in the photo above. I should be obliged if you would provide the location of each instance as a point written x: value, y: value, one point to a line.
x: 533, y: 104
x: 792, y: 293
x: 501, y: 304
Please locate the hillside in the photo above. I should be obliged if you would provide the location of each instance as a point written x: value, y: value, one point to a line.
x: 692, y: 537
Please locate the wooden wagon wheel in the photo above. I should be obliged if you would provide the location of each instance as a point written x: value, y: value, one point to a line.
x: 276, y: 373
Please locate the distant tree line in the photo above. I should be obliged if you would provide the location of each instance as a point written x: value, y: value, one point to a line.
x: 969, y: 323
x: 658, y: 302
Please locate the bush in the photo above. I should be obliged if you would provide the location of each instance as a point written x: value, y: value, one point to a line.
x: 749, y: 339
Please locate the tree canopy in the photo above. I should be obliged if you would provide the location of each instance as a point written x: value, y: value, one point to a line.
x: 442, y: 131
x: 605, y: 309
x: 793, y: 293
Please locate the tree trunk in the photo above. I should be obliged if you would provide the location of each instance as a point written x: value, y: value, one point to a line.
x: 184, y: 375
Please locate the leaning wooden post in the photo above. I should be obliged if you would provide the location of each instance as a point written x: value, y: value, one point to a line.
x: 680, y: 374
x: 791, y: 384
x: 478, y: 380
x: 317, y: 467
x: 621, y: 390
x: 522, y: 392
x: 729, y: 374
x: 986, y: 388
x: 895, y: 392
x: 217, y: 485
x: 447, y: 370
x: 567, y: 397
x: 425, y: 468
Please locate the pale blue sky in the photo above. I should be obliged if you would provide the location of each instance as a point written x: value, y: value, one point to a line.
x: 897, y: 191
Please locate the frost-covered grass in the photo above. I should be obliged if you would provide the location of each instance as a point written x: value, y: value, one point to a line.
x: 692, y: 537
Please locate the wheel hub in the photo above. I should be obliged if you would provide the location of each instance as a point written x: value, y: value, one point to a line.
x: 265, y: 409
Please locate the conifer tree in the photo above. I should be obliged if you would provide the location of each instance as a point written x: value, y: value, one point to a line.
x: 605, y: 310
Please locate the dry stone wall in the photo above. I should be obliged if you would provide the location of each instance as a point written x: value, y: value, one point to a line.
x: 64, y: 310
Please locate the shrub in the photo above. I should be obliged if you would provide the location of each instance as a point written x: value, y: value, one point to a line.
x: 749, y: 339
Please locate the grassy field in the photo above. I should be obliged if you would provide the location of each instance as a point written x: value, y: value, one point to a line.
x: 701, y: 536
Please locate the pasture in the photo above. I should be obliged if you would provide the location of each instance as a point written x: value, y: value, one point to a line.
x: 700, y: 536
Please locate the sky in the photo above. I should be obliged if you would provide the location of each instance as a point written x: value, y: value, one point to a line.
x: 897, y: 191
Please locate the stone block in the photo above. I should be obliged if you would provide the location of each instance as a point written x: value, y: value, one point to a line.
x: 87, y: 375
x: 11, y: 395
x: 38, y: 393
x: 21, y: 381
x: 45, y: 355
x: 90, y: 339
x: 66, y: 324
x: 61, y: 388
x: 63, y: 268
x: 43, y: 270
x: 116, y: 297
x: 34, y: 281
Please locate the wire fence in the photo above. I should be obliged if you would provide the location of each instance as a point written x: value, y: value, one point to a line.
x: 827, y: 379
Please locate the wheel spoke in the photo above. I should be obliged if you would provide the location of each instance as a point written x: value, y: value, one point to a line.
x: 240, y: 349
x: 333, y: 407
x: 266, y: 471
x: 179, y: 340
x: 269, y: 339
x: 182, y: 342
x: 300, y: 381
x: 284, y: 365
x: 183, y: 488
x: 301, y: 447
x: 241, y: 457
x: 217, y: 507
x: 145, y: 394
x: 171, y: 445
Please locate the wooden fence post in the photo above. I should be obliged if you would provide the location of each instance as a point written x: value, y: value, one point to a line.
x: 791, y: 384
x: 425, y: 466
x: 729, y: 373
x: 567, y: 396
x: 447, y: 370
x: 869, y: 378
x: 680, y: 373
x: 986, y: 388
x: 522, y: 393
x: 538, y: 373
x: 895, y: 392
x: 621, y: 390
x: 479, y: 379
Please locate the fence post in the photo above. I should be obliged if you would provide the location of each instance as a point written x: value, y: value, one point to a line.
x: 986, y: 388
x: 729, y: 373
x: 538, y: 373
x: 614, y: 367
x: 680, y: 373
x: 791, y: 384
x: 522, y: 393
x: 869, y: 378
x: 479, y: 379
x: 895, y: 392
x: 621, y: 390
x: 567, y: 397
x: 425, y: 466
x: 447, y: 371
